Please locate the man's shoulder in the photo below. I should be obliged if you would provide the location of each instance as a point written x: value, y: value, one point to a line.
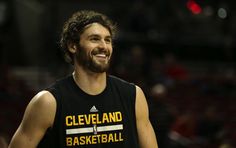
x: 44, y: 96
x: 61, y: 81
x: 118, y: 80
x: 64, y: 79
x: 121, y: 83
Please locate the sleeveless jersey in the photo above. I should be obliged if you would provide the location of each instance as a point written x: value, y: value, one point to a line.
x: 106, y: 120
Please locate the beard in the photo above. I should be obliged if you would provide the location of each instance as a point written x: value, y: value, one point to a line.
x: 87, y: 61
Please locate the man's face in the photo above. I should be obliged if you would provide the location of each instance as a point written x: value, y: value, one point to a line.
x: 95, y: 48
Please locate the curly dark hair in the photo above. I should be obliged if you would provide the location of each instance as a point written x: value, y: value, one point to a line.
x: 75, y: 25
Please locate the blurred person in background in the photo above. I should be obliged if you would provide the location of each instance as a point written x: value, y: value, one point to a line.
x: 183, y: 130
x: 174, y: 69
x: 161, y: 114
x: 3, y: 141
x: 89, y: 107
x: 210, y: 127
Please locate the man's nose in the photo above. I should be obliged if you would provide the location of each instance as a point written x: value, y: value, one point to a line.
x: 102, y: 44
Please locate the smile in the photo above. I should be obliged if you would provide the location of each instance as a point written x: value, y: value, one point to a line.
x: 101, y: 55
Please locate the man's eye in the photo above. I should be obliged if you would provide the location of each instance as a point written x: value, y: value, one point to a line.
x: 94, y: 39
x: 108, y: 40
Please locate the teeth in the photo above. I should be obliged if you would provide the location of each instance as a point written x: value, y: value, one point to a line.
x: 101, y: 55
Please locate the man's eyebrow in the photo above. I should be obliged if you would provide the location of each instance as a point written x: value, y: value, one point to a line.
x: 93, y: 35
x: 97, y: 35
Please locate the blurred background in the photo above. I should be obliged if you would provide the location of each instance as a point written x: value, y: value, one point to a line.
x: 181, y: 53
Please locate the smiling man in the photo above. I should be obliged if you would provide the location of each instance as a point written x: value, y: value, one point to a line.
x: 88, y: 108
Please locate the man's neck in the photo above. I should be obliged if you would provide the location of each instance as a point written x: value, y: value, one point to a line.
x: 90, y: 82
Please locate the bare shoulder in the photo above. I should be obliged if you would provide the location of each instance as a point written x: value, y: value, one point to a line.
x: 42, y: 108
x: 138, y: 89
x: 139, y: 93
x: 43, y: 99
x: 38, y: 117
x: 146, y: 133
x: 141, y: 104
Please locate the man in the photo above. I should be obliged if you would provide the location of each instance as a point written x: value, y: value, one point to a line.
x: 88, y: 108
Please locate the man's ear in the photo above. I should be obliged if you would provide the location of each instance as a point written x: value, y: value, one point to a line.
x: 72, y: 47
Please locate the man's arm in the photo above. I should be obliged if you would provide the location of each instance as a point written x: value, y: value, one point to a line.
x: 147, y: 138
x: 38, y: 117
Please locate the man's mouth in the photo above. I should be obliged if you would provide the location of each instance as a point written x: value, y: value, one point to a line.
x: 101, y: 55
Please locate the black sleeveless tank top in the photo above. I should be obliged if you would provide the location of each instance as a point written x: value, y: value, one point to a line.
x: 106, y: 120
